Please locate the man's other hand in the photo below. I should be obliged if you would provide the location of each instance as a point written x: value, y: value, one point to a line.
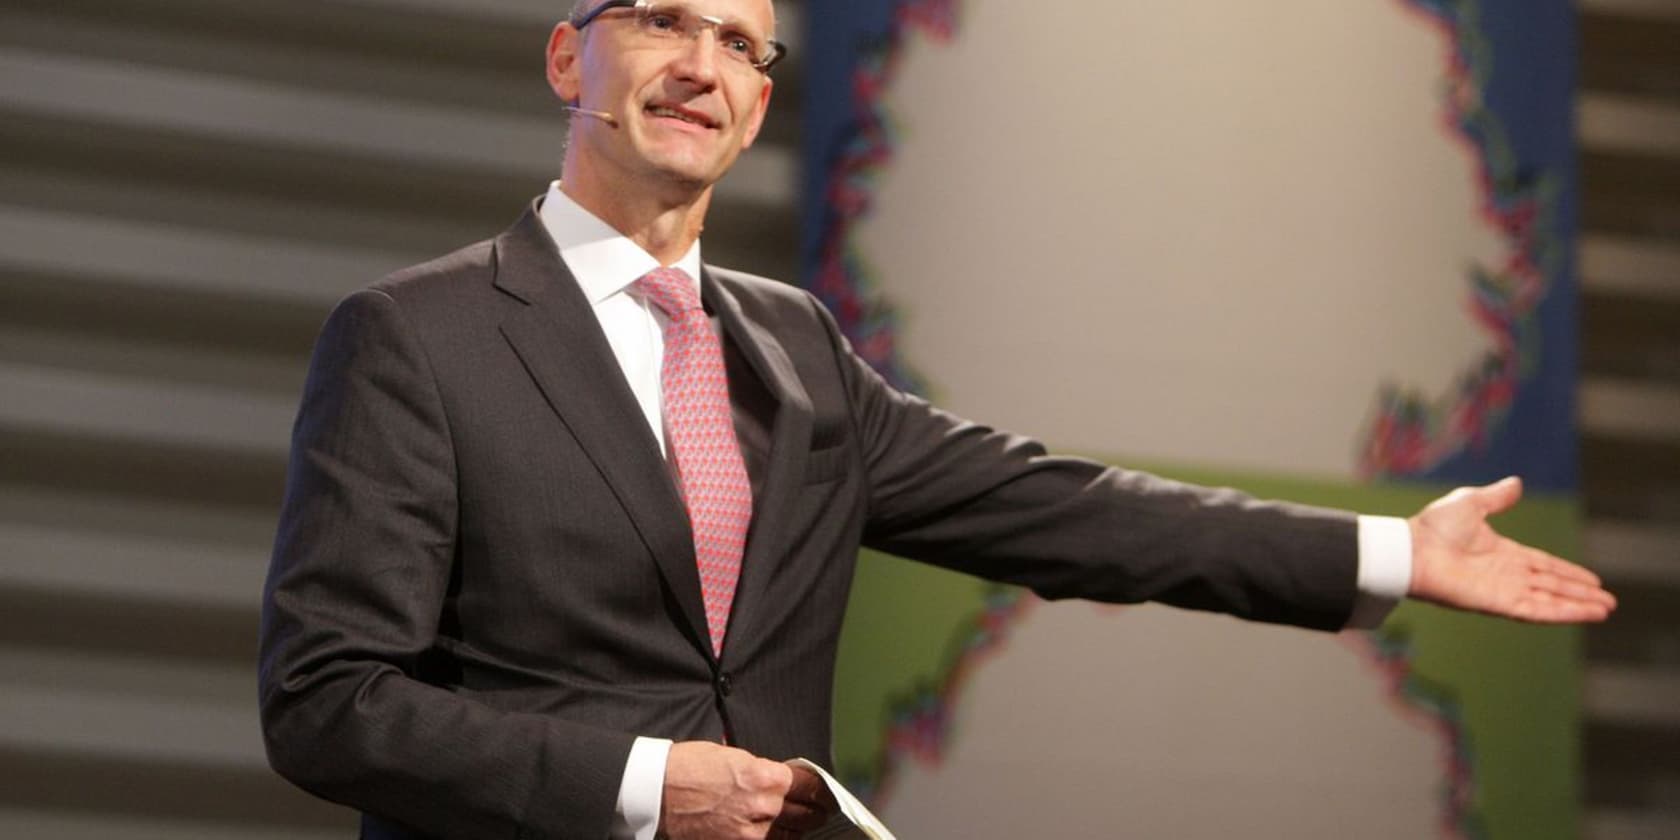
x: 1459, y: 561
x: 714, y: 792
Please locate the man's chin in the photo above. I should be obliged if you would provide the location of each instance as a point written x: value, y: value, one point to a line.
x: 693, y: 175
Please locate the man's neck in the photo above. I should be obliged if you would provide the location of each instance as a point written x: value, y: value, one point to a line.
x: 664, y: 226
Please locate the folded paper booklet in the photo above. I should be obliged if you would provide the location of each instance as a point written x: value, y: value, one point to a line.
x: 854, y: 822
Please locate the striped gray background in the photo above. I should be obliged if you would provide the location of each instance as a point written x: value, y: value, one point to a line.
x: 1628, y: 121
x: 186, y: 186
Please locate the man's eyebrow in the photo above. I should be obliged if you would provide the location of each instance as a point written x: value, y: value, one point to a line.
x: 733, y: 20
x: 742, y: 23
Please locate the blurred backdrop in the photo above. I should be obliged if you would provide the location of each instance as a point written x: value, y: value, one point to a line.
x: 186, y: 186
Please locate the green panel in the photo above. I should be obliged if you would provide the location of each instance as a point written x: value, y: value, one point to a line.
x: 1516, y: 688
x: 906, y: 626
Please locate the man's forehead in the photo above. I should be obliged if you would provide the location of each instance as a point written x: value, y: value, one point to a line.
x: 761, y: 12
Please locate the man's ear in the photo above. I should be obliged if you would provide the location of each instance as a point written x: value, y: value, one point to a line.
x: 564, y: 46
x: 760, y: 110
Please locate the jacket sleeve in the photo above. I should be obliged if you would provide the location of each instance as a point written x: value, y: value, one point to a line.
x: 361, y: 567
x: 967, y: 497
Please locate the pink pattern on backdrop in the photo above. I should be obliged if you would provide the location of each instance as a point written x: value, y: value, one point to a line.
x: 1409, y: 434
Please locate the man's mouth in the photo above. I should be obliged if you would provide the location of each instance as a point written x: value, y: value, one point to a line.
x: 687, y: 116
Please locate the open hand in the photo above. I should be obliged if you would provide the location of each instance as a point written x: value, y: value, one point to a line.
x: 1459, y: 561
x: 714, y: 792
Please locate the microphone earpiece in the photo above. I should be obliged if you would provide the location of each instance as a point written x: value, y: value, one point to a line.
x: 603, y: 116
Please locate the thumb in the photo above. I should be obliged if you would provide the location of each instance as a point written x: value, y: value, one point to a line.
x: 1500, y: 495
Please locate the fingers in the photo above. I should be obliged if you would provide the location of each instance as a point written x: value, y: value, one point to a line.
x: 714, y: 791
x: 1546, y: 608
x: 1581, y: 593
x: 798, y: 819
x: 1567, y: 580
x: 1498, y: 496
x: 1557, y: 591
x: 772, y: 776
x: 1562, y: 568
x: 765, y: 783
x: 777, y: 832
x: 808, y: 789
x: 808, y: 803
x: 1573, y: 597
x: 1575, y: 590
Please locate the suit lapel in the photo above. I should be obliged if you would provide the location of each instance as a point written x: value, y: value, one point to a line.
x: 560, y: 341
x: 790, y: 441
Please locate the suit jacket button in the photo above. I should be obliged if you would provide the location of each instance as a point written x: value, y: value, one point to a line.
x: 723, y: 685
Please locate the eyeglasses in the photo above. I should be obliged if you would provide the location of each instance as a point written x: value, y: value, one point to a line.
x: 675, y: 23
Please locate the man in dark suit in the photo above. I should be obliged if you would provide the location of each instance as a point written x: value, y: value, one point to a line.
x: 540, y: 573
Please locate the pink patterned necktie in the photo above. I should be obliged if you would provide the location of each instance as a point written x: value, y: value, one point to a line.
x: 701, y: 432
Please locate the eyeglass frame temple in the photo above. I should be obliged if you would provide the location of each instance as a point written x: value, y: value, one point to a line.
x: 778, y: 50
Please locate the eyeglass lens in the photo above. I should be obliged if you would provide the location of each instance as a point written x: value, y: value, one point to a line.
x: 674, y: 21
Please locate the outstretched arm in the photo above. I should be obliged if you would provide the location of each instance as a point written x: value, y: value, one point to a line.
x: 1459, y: 561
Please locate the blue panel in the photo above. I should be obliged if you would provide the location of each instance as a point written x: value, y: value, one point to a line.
x: 837, y: 34
x: 1532, y: 47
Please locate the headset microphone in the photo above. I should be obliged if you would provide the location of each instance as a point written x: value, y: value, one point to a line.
x: 603, y: 116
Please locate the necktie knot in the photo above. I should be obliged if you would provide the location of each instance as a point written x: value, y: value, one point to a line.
x: 672, y: 290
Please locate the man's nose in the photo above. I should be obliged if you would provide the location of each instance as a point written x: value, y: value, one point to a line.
x: 698, y: 59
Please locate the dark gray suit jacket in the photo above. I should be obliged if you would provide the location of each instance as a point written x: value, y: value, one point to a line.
x: 483, y: 586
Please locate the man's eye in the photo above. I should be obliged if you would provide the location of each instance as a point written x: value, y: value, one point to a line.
x: 662, y: 22
x: 738, y: 45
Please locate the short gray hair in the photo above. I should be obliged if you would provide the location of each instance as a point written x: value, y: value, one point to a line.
x: 579, y: 7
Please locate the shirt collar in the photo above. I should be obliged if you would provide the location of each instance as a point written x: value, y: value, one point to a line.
x: 603, y: 260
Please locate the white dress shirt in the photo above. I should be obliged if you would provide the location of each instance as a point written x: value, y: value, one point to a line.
x: 606, y: 264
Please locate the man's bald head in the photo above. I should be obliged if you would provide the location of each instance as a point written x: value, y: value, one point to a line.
x: 582, y: 7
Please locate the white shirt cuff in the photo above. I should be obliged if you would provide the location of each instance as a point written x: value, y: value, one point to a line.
x: 641, y: 791
x: 1385, y: 569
